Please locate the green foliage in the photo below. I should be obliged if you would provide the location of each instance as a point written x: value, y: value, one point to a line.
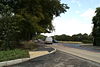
x: 96, y: 27
x: 24, y: 19
x: 7, y: 26
x: 77, y: 37
x: 29, y: 45
x: 37, y: 13
x: 85, y: 38
x: 63, y: 37
x: 13, y: 54
x: 10, y: 30
x: 42, y: 37
x: 87, y: 41
x: 5, y: 10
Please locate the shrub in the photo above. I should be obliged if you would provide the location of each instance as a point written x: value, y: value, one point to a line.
x: 13, y: 54
x: 1, y: 42
x: 87, y: 41
x: 29, y: 45
x: 12, y: 45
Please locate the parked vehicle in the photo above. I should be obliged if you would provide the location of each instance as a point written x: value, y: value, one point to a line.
x: 55, y: 41
x: 48, y: 40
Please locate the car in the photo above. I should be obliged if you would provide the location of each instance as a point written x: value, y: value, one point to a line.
x: 55, y: 41
x: 48, y: 40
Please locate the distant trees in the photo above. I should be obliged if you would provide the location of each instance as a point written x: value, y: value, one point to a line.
x: 96, y: 28
x: 62, y: 37
x: 77, y: 37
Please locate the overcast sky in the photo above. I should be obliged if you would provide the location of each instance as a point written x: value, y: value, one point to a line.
x: 78, y: 19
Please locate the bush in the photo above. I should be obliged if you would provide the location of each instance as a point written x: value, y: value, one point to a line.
x: 13, y: 54
x: 12, y: 45
x: 29, y: 45
x: 1, y: 42
x: 87, y: 41
x: 97, y: 41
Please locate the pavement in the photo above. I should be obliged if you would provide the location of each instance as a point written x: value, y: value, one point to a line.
x: 37, y: 53
x: 40, y: 51
x: 86, y: 54
x: 88, y: 47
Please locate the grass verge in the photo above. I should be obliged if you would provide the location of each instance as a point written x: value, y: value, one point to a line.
x: 13, y: 54
x: 76, y: 42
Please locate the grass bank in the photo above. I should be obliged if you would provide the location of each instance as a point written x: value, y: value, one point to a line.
x: 13, y: 54
x: 21, y: 52
x: 76, y: 42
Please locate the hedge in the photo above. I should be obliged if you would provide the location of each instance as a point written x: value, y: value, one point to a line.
x: 13, y: 54
x: 87, y: 41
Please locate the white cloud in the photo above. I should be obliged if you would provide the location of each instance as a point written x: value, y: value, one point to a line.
x: 76, y: 1
x: 88, y: 13
x: 77, y: 12
x: 70, y: 26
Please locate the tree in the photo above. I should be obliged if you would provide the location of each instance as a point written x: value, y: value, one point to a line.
x: 85, y: 38
x: 27, y: 18
x: 11, y: 26
x: 42, y: 37
x: 96, y: 27
x: 37, y: 14
x: 77, y: 37
x: 62, y: 37
x: 5, y: 27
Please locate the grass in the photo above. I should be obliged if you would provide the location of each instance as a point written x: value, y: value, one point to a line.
x: 13, y: 54
x: 76, y: 42
x: 22, y: 52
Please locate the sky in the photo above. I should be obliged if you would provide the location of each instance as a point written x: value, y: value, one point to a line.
x: 77, y: 19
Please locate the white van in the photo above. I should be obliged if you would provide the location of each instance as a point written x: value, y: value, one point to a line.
x: 48, y: 40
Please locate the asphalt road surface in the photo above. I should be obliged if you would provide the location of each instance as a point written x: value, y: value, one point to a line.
x: 58, y: 59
